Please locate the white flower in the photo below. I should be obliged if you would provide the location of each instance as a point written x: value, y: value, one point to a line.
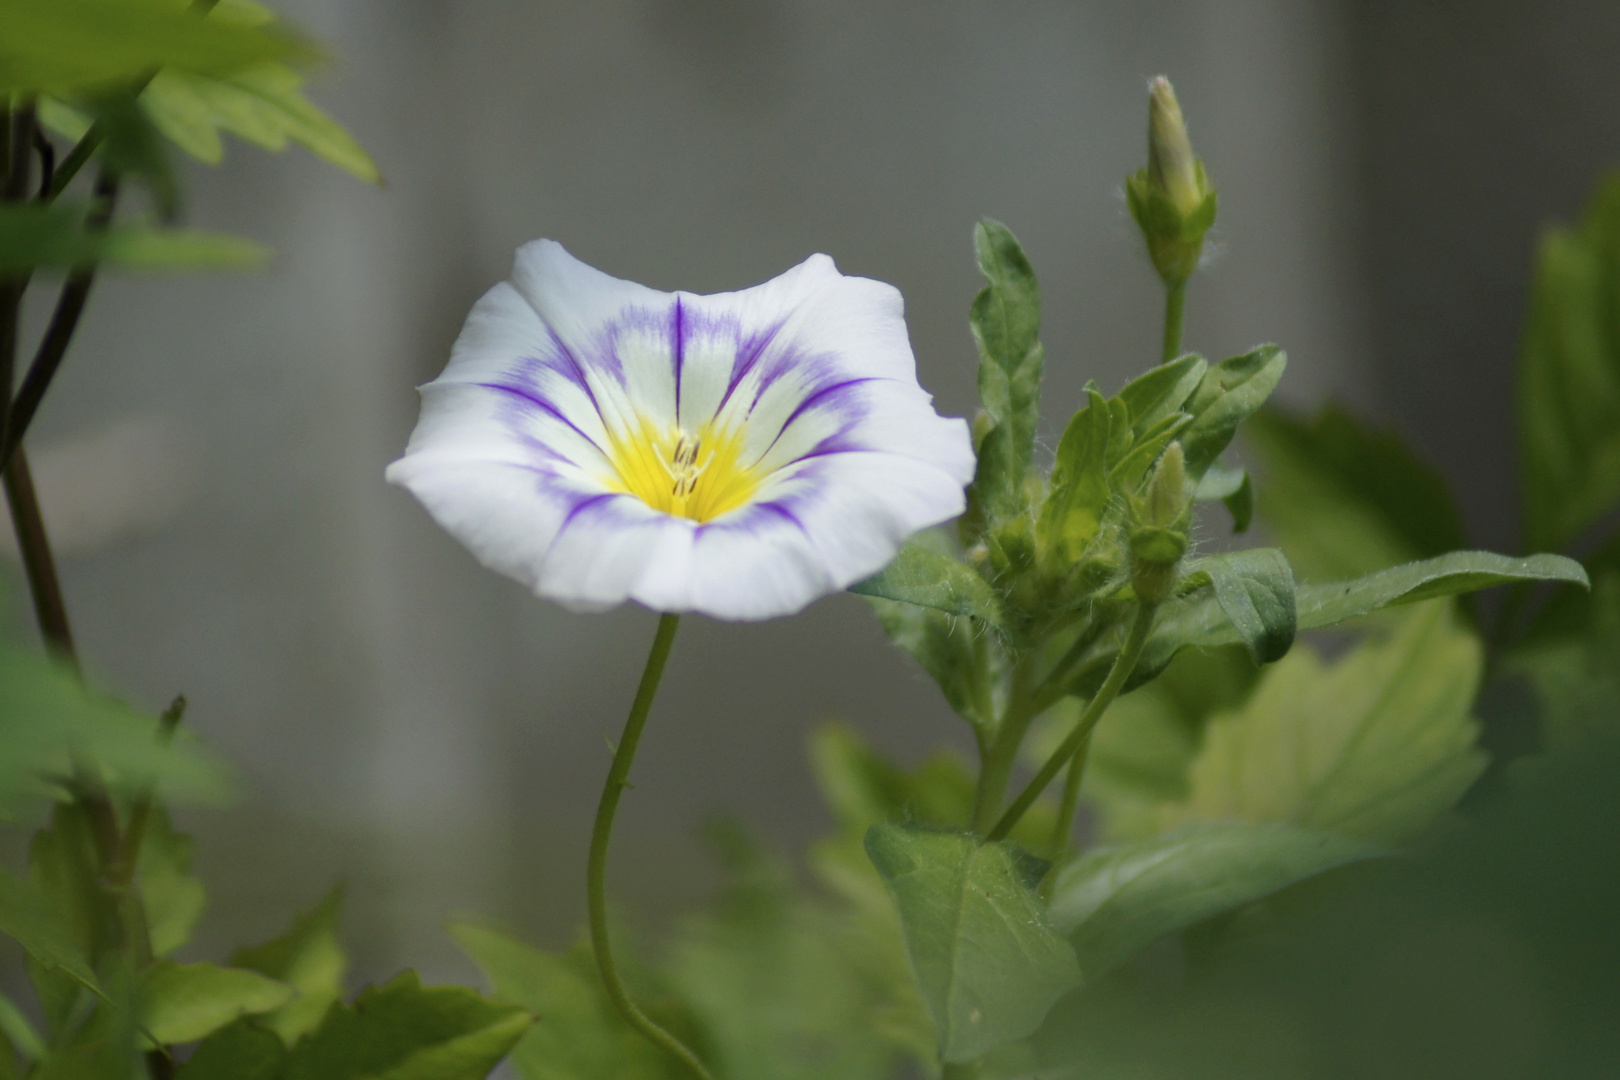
x: 738, y: 454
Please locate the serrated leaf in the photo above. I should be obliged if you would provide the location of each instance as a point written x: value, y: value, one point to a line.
x: 1374, y: 746
x: 987, y: 962
x: 928, y: 578
x: 1569, y: 377
x: 1231, y: 391
x: 1255, y: 591
x: 577, y: 1033
x: 1163, y: 390
x: 308, y: 958
x: 1073, y: 513
x: 1006, y: 320
x: 775, y: 980
x: 132, y: 148
x: 28, y: 917
x: 1113, y: 902
x: 405, y: 1031
x: 47, y: 716
x: 173, y: 895
x: 264, y: 105
x: 182, y: 1003
x: 33, y: 235
x: 1344, y: 499
x: 240, y: 1051
x: 64, y: 45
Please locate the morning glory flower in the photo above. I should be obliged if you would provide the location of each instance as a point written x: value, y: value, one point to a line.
x: 738, y: 454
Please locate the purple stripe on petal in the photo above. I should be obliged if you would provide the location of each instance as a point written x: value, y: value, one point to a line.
x: 537, y: 399
x: 748, y: 354
x: 678, y: 346
x: 826, y: 395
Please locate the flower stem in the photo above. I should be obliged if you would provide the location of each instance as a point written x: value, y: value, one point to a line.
x: 596, y: 895
x: 1175, y: 307
x: 1071, y: 798
x: 997, y: 762
x: 38, y: 563
x: 1124, y: 664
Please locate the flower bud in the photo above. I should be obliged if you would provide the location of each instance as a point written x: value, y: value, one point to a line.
x: 1171, y: 199
x: 1172, y: 168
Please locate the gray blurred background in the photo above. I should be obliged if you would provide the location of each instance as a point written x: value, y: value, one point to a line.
x: 212, y: 455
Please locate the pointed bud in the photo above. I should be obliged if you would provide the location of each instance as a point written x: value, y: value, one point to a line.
x: 1171, y: 199
x: 1167, y: 493
x: 1172, y: 168
x: 1158, y: 536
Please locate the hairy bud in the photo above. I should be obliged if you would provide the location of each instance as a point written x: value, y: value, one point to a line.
x: 1171, y: 199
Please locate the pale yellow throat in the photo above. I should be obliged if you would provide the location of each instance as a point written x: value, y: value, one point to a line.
x: 692, y: 475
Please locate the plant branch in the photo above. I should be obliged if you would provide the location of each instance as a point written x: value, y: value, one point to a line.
x: 1070, y: 801
x: 53, y: 346
x: 1124, y: 664
x: 38, y: 563
x: 596, y: 873
x: 996, y: 765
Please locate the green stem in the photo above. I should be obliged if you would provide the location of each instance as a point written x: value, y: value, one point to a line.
x: 596, y: 894
x: 38, y: 564
x: 1124, y: 664
x: 1175, y: 306
x: 996, y: 766
x: 1070, y: 801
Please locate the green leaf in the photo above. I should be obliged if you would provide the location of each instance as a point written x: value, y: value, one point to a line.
x: 1343, y: 499
x: 174, y: 896
x: 308, y: 958
x: 946, y: 647
x: 928, y: 578
x: 1232, y: 486
x: 1006, y: 322
x: 64, y: 867
x: 405, y: 1031
x: 19, y: 1032
x: 1255, y: 591
x: 1114, y: 902
x: 577, y: 1033
x: 133, y: 148
x: 1231, y: 391
x: 240, y: 1051
x: 775, y: 979
x: 1448, y: 575
x: 264, y: 104
x: 39, y: 927
x: 1569, y: 377
x: 32, y: 235
x: 63, y: 45
x: 1375, y: 746
x: 182, y: 1003
x: 987, y: 962
x: 1162, y: 390
x: 47, y: 716
x: 1073, y: 512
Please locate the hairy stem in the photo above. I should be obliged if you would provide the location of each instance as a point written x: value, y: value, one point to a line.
x: 996, y: 766
x: 1175, y: 306
x: 1124, y: 664
x: 596, y: 873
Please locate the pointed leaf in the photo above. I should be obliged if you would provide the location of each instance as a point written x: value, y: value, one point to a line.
x: 308, y: 958
x: 1163, y: 390
x: 1375, y: 746
x: 33, y: 235
x: 988, y: 964
x: 56, y: 45
x: 929, y: 578
x: 1255, y: 591
x: 1232, y: 486
x: 38, y: 927
x: 1113, y: 902
x: 182, y: 1003
x: 174, y: 896
x: 1231, y: 391
x: 1447, y: 575
x: 1073, y: 512
x: 1006, y: 321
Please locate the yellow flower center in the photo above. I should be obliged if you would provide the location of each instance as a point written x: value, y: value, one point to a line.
x: 698, y: 476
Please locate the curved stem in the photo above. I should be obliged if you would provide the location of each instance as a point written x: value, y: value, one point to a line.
x: 596, y: 893
x: 1124, y: 664
x: 1070, y: 801
x: 996, y: 765
x: 38, y: 563
x: 1175, y: 306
